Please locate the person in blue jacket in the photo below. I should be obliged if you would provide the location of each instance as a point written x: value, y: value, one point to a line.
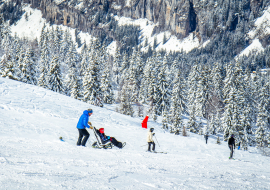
x: 82, y: 124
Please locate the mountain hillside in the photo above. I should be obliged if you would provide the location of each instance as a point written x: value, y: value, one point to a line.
x: 32, y: 157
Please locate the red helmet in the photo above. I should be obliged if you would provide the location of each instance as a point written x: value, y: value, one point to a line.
x: 101, y: 130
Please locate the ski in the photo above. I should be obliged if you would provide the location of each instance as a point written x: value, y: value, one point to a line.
x: 123, y: 144
x: 161, y: 152
x: 157, y: 152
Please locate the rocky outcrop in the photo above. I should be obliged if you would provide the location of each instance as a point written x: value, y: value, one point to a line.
x: 179, y: 16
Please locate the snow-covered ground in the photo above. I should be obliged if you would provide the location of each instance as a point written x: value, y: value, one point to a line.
x: 30, y: 26
x: 32, y: 157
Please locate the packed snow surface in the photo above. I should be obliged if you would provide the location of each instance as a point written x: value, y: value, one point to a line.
x: 32, y: 157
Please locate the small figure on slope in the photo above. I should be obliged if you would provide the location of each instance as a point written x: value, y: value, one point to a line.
x: 82, y: 124
x: 150, y: 140
x: 218, y: 140
x: 106, y: 139
x: 206, y: 137
x: 231, y: 144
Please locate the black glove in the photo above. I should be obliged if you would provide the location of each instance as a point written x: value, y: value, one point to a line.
x: 153, y: 134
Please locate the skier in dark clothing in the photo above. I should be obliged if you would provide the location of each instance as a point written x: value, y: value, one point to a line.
x: 82, y: 124
x: 206, y: 137
x: 231, y: 144
x: 106, y: 139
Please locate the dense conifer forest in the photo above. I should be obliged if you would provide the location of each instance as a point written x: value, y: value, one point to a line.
x: 209, y: 82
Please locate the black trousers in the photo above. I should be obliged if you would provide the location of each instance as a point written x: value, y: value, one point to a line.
x: 149, y: 146
x: 82, y: 133
x: 231, y: 149
x: 116, y: 142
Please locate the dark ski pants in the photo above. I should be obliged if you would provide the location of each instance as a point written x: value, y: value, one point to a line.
x: 149, y: 146
x: 231, y: 149
x: 116, y: 142
x: 82, y: 133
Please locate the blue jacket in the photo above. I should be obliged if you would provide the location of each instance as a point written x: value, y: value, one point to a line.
x: 83, y: 121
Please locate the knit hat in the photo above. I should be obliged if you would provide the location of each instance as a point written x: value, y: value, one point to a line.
x: 90, y: 110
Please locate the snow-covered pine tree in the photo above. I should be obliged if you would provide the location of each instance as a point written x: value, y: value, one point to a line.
x: 71, y: 62
x: 58, y: 35
x: 143, y: 93
x: 204, y: 94
x: 152, y: 84
x: 217, y: 82
x: 65, y: 44
x: 132, y: 77
x: 212, y: 126
x: 55, y: 76
x: 193, y: 79
x: 44, y: 66
x: 124, y: 68
x: 8, y: 71
x: 84, y: 64
x: 163, y: 93
x: 178, y: 105
x: 106, y: 87
x: 117, y: 62
x: 91, y: 82
x: 261, y: 132
x: 72, y: 88
x: 43, y: 35
x: 192, y: 125
x: 29, y: 68
x: 73, y: 84
x: 165, y: 120
x: 125, y: 102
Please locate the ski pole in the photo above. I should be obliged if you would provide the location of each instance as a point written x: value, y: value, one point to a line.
x: 157, y: 141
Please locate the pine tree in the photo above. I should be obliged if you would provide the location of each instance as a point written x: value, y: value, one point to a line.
x: 92, y: 77
x: 106, y: 87
x: 261, y: 132
x: 163, y: 94
x: 192, y: 125
x: 9, y: 70
x: 43, y: 35
x: 91, y: 85
x: 125, y: 104
x: 143, y: 93
x: 55, y: 76
x: 213, y: 126
x: 45, y: 59
x: 116, y: 66
x: 72, y: 88
x: 65, y: 44
x: 165, y: 120
x: 74, y: 85
x: 132, y: 77
x: 29, y: 68
x: 58, y: 35
x: 178, y: 105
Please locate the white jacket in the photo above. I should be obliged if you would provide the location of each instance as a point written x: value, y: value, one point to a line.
x: 150, y: 137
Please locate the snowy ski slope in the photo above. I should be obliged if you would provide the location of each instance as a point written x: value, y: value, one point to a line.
x: 32, y: 157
